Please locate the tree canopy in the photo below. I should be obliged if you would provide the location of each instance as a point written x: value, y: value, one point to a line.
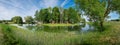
x: 17, y: 20
x: 29, y: 20
x: 53, y: 15
x: 98, y: 10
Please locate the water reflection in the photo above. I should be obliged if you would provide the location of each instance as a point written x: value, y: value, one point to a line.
x: 78, y: 28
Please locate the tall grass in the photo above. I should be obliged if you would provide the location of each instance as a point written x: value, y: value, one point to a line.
x: 8, y: 35
x: 45, y: 38
x: 61, y: 24
x: 27, y: 37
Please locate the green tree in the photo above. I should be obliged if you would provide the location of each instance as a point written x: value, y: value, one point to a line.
x: 56, y: 14
x: 46, y: 15
x: 49, y: 15
x: 29, y: 20
x: 37, y: 16
x: 98, y: 10
x: 65, y: 17
x: 61, y: 10
x: 73, y: 15
x: 17, y: 20
x: 41, y: 15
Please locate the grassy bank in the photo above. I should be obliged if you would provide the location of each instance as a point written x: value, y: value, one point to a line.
x: 108, y: 37
x: 7, y: 35
x: 1, y: 37
x: 60, y: 24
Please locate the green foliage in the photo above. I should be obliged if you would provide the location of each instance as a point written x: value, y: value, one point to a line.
x: 17, y: 20
x: 44, y: 15
x: 29, y: 20
x: 27, y: 37
x: 98, y: 10
x: 74, y: 16
x: 37, y: 16
x: 115, y: 5
x: 65, y: 19
x: 53, y: 15
x: 56, y: 14
x: 9, y: 39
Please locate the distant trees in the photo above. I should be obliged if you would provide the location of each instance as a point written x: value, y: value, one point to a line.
x: 56, y: 15
x: 52, y: 15
x: 5, y: 21
x: 98, y: 10
x: 43, y: 15
x: 17, y: 20
x: 115, y: 20
x: 29, y: 20
x: 37, y: 16
x: 74, y: 16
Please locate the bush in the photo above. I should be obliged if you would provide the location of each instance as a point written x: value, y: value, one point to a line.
x: 8, y: 35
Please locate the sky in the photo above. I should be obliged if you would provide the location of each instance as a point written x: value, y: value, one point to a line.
x: 11, y: 8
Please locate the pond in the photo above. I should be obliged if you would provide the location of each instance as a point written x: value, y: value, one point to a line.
x: 77, y: 28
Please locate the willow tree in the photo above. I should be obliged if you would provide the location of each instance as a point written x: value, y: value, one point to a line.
x: 37, y: 16
x: 74, y: 16
x: 66, y: 14
x: 56, y: 14
x: 43, y: 15
x: 98, y: 10
x: 29, y: 20
x: 17, y: 20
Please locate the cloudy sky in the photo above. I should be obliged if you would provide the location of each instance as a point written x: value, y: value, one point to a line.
x: 11, y: 8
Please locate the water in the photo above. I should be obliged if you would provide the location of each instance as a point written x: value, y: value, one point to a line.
x: 78, y: 28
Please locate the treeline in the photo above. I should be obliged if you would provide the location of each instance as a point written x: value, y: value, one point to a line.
x: 115, y: 20
x: 19, y: 20
x: 5, y: 21
x: 50, y: 15
x: 58, y: 15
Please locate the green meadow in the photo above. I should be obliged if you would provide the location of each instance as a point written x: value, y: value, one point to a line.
x: 17, y: 36
x: 59, y: 22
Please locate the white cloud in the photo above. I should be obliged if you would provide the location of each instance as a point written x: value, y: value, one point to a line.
x: 11, y: 8
x: 7, y: 13
x: 48, y: 3
x: 65, y: 2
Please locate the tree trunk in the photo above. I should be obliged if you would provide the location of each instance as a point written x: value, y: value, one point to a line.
x: 101, y: 26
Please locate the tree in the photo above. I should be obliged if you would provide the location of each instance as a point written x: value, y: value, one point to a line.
x: 65, y: 17
x: 48, y: 16
x: 56, y: 14
x: 73, y: 15
x: 44, y: 15
x: 52, y: 15
x: 29, y: 20
x: 61, y: 14
x: 37, y: 16
x: 41, y: 15
x: 98, y: 10
x: 17, y: 20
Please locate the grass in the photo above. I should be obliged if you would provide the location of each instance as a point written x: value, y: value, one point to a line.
x: 1, y: 37
x: 108, y: 37
x: 44, y: 38
x: 8, y: 38
x: 60, y: 24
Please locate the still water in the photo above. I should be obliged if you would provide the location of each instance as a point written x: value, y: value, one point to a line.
x: 34, y: 27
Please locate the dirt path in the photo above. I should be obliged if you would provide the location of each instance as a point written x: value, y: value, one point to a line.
x: 1, y: 37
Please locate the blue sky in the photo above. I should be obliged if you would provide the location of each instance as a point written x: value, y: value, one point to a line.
x: 11, y: 8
